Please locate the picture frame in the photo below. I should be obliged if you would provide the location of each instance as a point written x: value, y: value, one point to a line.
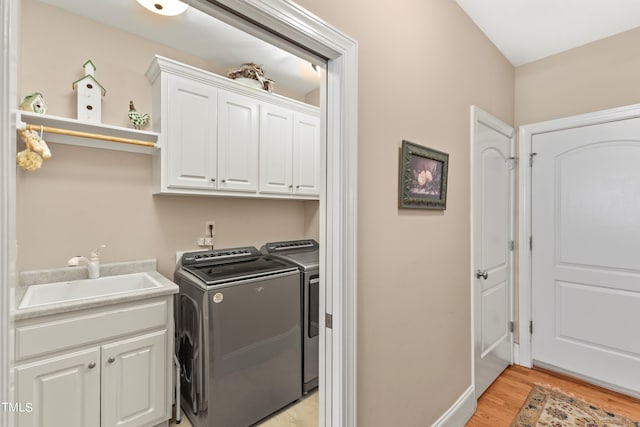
x: 423, y: 177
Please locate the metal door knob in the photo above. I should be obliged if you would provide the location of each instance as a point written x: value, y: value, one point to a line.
x: 111, y: 359
x: 482, y: 274
x: 92, y: 365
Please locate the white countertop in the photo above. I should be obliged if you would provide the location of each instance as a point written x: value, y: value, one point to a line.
x: 28, y: 278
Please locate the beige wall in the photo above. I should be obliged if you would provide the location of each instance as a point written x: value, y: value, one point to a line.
x: 84, y: 197
x: 420, y: 68
x: 597, y: 76
x: 421, y: 65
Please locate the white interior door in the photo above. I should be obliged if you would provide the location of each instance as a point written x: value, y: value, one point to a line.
x: 586, y: 252
x: 492, y: 260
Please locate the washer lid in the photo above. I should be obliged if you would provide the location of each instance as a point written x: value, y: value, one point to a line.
x: 215, y: 274
x: 303, y: 253
x: 304, y: 260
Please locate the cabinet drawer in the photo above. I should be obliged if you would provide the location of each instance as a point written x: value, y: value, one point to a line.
x: 89, y: 327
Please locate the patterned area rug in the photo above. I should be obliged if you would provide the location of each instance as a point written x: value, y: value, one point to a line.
x: 548, y: 408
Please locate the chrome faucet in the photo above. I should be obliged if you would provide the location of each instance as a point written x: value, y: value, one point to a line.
x: 92, y: 263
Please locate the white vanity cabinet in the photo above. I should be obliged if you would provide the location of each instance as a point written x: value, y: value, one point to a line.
x: 62, y: 390
x: 219, y: 137
x: 100, y: 367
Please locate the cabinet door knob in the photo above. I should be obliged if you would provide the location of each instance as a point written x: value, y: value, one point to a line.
x: 291, y: 186
x: 111, y: 359
x: 224, y: 180
x: 213, y: 180
x: 92, y: 365
x: 297, y: 186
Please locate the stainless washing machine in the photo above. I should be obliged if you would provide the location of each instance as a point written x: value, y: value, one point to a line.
x: 238, y: 336
x: 305, y: 255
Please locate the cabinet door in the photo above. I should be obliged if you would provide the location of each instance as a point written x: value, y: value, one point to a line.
x: 190, y: 134
x: 237, y: 142
x: 62, y: 391
x: 306, y: 154
x: 135, y: 381
x: 276, y: 145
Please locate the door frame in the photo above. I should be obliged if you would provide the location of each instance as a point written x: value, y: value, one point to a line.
x: 526, y: 134
x: 8, y: 85
x: 279, y: 20
x: 480, y: 116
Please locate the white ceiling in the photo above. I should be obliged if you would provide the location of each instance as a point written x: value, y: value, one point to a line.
x: 528, y: 30
x: 201, y: 35
x: 523, y: 30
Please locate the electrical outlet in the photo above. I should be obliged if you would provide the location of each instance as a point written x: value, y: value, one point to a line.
x: 205, y: 241
x: 206, y: 230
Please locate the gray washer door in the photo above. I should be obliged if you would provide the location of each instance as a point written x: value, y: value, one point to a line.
x: 255, y: 349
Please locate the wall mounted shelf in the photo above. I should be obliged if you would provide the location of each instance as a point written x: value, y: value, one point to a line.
x: 62, y: 130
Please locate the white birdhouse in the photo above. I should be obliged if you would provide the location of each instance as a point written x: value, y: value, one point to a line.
x: 89, y: 93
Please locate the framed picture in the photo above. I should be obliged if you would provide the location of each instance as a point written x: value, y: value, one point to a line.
x: 423, y: 177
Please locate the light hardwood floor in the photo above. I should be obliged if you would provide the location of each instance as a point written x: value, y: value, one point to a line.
x: 503, y: 399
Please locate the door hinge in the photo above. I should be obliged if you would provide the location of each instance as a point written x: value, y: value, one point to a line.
x: 531, y: 156
x: 512, y: 327
x: 531, y: 327
x: 328, y: 320
x: 530, y: 243
x: 512, y: 245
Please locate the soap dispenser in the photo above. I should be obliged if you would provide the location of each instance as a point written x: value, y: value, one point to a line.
x: 94, y: 263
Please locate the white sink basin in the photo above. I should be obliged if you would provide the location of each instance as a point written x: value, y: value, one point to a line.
x: 53, y: 293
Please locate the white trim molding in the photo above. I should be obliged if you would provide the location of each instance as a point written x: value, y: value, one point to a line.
x: 8, y: 69
x: 526, y: 134
x: 460, y: 412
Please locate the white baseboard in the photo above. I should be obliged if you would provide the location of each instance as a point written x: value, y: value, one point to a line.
x: 460, y: 412
x: 516, y: 354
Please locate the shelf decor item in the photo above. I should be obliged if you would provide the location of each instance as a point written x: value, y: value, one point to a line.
x: 137, y: 119
x: 37, y: 150
x: 34, y: 103
x: 423, y: 177
x: 250, y: 71
x: 89, y: 94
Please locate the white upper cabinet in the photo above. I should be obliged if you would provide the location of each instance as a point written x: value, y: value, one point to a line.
x: 190, y: 146
x: 289, y: 152
x: 238, y: 131
x: 276, y: 148
x: 306, y: 154
x: 219, y: 137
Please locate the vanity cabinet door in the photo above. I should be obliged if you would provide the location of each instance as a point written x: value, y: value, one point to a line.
x: 62, y: 391
x: 276, y: 145
x: 135, y: 380
x: 191, y: 137
x: 238, y: 134
x: 306, y: 154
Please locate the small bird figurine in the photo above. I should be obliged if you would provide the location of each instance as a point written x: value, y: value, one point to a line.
x: 137, y: 120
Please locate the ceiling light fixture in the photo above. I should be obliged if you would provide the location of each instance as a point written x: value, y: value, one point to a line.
x: 164, y: 7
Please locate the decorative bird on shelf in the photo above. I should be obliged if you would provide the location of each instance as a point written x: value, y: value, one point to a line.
x: 137, y: 120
